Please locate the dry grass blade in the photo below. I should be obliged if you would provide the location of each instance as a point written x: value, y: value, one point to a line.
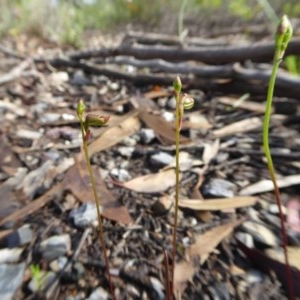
x: 217, y: 204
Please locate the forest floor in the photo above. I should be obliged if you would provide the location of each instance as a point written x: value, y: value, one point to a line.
x: 229, y: 240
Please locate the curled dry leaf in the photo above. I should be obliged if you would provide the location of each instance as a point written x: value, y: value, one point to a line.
x: 152, y: 183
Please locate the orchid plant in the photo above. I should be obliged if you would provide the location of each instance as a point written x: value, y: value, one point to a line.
x: 282, y: 38
x: 92, y: 120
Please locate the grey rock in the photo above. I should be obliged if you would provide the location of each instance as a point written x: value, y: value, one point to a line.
x: 126, y: 151
x: 219, y: 188
x: 11, y: 278
x: 254, y: 276
x: 161, y: 159
x: 120, y: 174
x: 147, y: 135
x: 55, y: 246
x: 99, y: 294
x: 168, y: 116
x: 79, y: 78
x: 49, y: 118
x: 261, y: 233
x: 20, y: 237
x: 245, y: 238
x: 10, y: 255
x: 172, y: 103
x: 85, y: 215
x: 130, y: 141
x: 58, y: 264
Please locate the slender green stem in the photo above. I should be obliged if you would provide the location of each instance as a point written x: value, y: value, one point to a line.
x: 272, y: 170
x: 100, y: 225
x: 177, y: 137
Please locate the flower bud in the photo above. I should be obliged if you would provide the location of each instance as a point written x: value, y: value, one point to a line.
x: 95, y: 120
x: 80, y: 108
x: 283, y: 35
x: 177, y: 84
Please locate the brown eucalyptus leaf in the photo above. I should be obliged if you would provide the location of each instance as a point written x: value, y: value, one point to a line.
x: 267, y: 185
x: 152, y: 183
x: 113, y: 135
x: 217, y: 204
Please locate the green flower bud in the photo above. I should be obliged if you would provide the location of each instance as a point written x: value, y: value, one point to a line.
x: 187, y: 101
x: 80, y: 108
x: 283, y: 35
x: 177, y: 84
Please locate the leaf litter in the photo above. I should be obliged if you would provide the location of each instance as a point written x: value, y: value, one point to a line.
x: 43, y: 178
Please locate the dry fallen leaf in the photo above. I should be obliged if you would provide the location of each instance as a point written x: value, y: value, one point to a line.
x: 204, y: 245
x: 78, y: 182
x: 238, y: 127
x: 249, y: 105
x: 293, y: 253
x: 113, y: 135
x: 217, y: 204
x: 152, y: 183
x: 267, y: 185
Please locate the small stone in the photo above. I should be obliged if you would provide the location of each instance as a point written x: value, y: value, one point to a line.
x: 10, y: 255
x: 55, y: 246
x: 20, y: 237
x: 85, y: 215
x: 245, y: 238
x: 79, y: 78
x: 58, y: 264
x: 172, y: 103
x: 273, y: 209
x: 99, y: 294
x: 114, y: 86
x: 126, y: 151
x: 58, y: 78
x: 161, y: 159
x: 162, y: 102
x: 11, y: 278
x: 28, y: 134
x: 260, y: 233
x: 168, y: 116
x: 219, y: 188
x: 147, y: 135
x: 254, y: 276
x: 49, y: 118
x: 120, y: 174
x: 129, y: 141
x: 158, y: 288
